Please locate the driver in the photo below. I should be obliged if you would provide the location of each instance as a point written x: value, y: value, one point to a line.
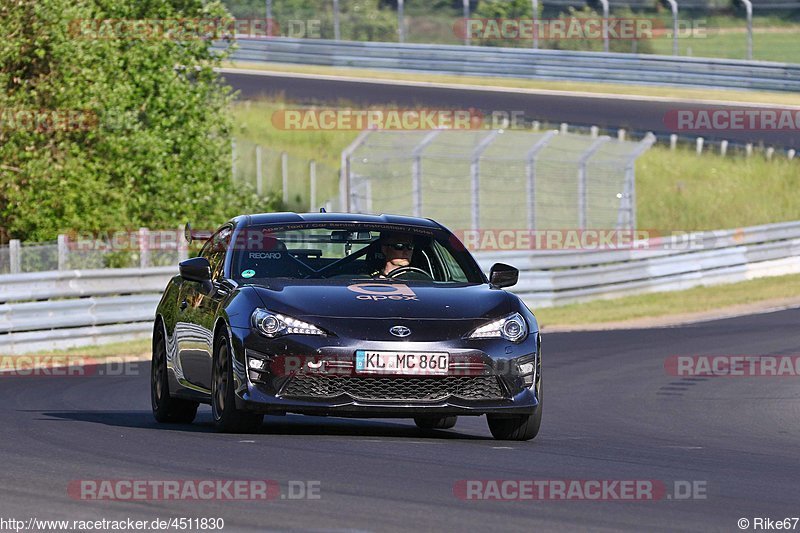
x: 397, y: 248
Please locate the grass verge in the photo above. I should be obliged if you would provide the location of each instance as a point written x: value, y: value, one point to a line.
x: 666, y: 304
x: 117, y: 349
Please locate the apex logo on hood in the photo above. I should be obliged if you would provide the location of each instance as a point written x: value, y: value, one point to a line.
x: 383, y: 291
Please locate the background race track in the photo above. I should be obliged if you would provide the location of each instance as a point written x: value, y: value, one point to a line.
x: 635, y: 114
x: 611, y: 412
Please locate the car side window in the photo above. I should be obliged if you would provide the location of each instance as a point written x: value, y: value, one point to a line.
x: 215, y: 249
x: 454, y: 271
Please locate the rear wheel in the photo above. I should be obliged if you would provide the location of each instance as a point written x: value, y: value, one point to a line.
x: 227, y: 418
x: 166, y: 409
x: 435, y: 422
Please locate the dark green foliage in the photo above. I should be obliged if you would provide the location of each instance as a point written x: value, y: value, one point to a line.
x: 154, y: 149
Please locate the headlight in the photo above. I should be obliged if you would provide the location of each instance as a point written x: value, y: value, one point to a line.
x: 512, y: 328
x: 272, y: 325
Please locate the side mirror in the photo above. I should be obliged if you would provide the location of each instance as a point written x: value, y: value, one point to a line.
x: 502, y: 275
x: 187, y: 233
x: 195, y: 269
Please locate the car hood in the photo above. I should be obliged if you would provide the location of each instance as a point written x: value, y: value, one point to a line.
x: 371, y: 300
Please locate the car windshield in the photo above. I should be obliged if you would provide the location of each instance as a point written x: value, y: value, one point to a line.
x: 352, y: 251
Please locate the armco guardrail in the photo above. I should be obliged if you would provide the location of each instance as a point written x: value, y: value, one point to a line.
x: 526, y: 63
x: 555, y: 278
x: 58, y: 309
x: 61, y: 309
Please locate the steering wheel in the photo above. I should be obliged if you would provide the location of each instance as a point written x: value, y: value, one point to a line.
x: 397, y: 272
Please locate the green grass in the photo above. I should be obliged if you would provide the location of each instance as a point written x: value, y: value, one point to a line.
x: 662, y: 304
x: 683, y: 191
x: 781, y: 47
x: 118, y: 349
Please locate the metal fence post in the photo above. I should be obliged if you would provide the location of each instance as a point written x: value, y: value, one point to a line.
x: 748, y: 5
x: 475, y: 176
x: 400, y: 22
x: 144, y: 247
x: 368, y: 194
x: 465, y: 6
x: 605, y: 24
x: 535, y: 6
x: 285, y: 177
x: 14, y: 259
x: 345, y: 171
x: 629, y: 192
x: 582, y: 193
x: 673, y: 5
x: 312, y: 179
x: 530, y: 174
x: 416, y: 172
x: 259, y: 173
x: 337, y: 35
x: 63, y: 252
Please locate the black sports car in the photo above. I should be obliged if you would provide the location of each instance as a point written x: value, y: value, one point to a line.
x: 344, y: 315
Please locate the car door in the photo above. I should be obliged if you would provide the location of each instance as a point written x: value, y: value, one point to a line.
x: 197, y: 307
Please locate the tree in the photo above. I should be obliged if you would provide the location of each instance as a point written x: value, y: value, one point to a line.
x: 141, y: 134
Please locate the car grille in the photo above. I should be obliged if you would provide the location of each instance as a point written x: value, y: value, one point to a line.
x: 394, y: 388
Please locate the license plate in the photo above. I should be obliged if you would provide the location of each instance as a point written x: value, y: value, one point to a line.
x: 405, y: 363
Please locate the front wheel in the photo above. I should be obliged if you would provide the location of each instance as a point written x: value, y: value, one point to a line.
x: 227, y: 418
x: 524, y: 427
x: 435, y: 422
x: 166, y: 409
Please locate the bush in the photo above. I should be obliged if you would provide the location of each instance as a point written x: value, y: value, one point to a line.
x: 359, y: 20
x: 154, y: 149
x: 640, y: 46
x: 522, y: 9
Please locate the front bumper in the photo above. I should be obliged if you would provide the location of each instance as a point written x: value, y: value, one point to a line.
x: 482, y: 379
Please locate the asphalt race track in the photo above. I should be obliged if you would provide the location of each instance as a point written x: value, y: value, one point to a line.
x: 640, y: 115
x: 611, y: 412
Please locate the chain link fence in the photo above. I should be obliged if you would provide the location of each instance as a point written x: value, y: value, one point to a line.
x: 121, y: 249
x: 494, y: 179
x: 731, y: 29
x: 303, y: 184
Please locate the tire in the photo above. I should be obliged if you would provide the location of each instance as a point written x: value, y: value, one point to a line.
x: 166, y: 409
x: 435, y: 422
x: 227, y: 418
x: 524, y: 427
